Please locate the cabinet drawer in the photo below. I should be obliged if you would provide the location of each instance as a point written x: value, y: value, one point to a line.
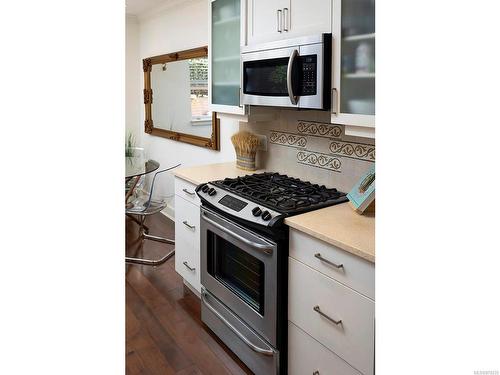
x: 357, y: 273
x: 353, y: 338
x: 185, y: 190
x: 187, y: 241
x: 306, y: 356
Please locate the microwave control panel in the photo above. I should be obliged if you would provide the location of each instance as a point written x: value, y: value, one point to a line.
x: 308, y: 79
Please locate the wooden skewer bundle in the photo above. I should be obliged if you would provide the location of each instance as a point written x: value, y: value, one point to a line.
x: 245, y: 145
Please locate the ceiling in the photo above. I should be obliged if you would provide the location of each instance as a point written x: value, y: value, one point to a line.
x: 137, y: 7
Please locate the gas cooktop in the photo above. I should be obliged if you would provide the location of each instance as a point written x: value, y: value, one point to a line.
x: 262, y: 197
x: 280, y: 192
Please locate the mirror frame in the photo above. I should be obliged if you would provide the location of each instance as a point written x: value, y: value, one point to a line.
x: 212, y: 142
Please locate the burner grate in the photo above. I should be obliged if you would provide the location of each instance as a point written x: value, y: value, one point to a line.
x: 280, y: 192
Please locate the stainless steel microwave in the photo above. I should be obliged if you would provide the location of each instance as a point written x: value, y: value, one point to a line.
x: 288, y: 73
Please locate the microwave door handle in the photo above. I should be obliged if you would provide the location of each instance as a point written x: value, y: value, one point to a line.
x: 291, y: 60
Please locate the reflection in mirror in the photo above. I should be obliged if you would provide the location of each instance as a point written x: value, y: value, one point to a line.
x: 176, y: 98
x: 180, y: 92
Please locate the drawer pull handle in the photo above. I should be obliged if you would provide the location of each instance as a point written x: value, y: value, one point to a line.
x: 187, y: 266
x: 317, y: 309
x: 187, y: 192
x: 189, y: 226
x: 318, y: 255
x: 316, y: 372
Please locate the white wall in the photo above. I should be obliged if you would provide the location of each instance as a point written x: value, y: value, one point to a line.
x: 173, y: 29
x: 133, y: 83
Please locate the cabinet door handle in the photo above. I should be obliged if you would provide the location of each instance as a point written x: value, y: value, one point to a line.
x: 187, y: 225
x: 316, y: 372
x: 318, y: 255
x: 317, y: 309
x: 187, y: 266
x: 285, y: 19
x: 335, y: 101
x: 188, y: 192
x: 279, y: 19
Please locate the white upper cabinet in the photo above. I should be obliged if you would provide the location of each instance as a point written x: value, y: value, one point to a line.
x: 265, y: 20
x: 354, y: 66
x: 227, y: 34
x: 270, y: 20
x: 309, y: 17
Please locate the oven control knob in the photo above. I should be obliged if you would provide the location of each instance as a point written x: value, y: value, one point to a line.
x: 212, y: 191
x: 256, y: 211
x: 205, y: 188
x: 266, y: 216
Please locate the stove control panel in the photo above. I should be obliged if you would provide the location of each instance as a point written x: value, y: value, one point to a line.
x: 266, y: 216
x: 232, y: 202
x: 256, y: 211
x: 236, y: 205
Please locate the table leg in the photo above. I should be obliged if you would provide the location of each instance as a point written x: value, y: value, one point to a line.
x: 127, y: 196
x: 135, y: 220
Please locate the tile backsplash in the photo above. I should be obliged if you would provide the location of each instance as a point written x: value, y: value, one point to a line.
x: 304, y: 144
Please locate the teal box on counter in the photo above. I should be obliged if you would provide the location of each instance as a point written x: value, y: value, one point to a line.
x: 363, y: 193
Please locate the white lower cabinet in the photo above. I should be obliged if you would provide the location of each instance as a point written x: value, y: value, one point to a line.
x: 348, y: 269
x: 187, y: 238
x: 352, y: 338
x: 308, y: 356
x: 185, y: 189
x: 331, y: 319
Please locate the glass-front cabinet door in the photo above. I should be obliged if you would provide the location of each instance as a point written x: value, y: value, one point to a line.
x: 354, y: 63
x: 224, y: 55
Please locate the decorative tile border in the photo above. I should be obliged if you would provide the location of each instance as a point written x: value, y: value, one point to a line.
x: 319, y: 160
x: 319, y: 129
x: 329, y: 140
x: 287, y: 139
x: 353, y: 150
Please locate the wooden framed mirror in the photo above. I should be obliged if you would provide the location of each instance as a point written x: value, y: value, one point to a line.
x: 176, y: 98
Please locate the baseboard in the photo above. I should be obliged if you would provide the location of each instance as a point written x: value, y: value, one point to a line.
x: 169, y: 212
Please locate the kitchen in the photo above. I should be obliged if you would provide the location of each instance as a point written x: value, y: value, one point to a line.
x: 249, y: 236
x: 275, y: 71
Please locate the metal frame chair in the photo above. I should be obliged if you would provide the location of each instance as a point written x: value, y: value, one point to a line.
x: 149, y: 207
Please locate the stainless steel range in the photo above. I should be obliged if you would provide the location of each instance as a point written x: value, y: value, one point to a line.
x: 244, y: 261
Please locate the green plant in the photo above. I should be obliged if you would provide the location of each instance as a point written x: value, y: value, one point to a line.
x: 129, y: 144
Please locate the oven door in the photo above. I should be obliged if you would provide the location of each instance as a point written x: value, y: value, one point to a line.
x: 239, y: 268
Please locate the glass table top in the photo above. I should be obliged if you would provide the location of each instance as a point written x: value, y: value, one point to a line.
x: 137, y: 166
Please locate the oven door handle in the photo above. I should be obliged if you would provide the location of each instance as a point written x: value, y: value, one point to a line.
x: 268, y: 249
x: 252, y: 346
x: 289, y: 83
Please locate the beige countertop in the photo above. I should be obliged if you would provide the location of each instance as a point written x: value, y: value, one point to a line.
x: 210, y: 172
x: 340, y: 226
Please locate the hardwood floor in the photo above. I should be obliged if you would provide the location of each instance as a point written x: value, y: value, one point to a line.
x: 164, y: 331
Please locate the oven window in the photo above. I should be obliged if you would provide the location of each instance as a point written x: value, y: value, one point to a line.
x: 239, y: 271
x: 265, y: 77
